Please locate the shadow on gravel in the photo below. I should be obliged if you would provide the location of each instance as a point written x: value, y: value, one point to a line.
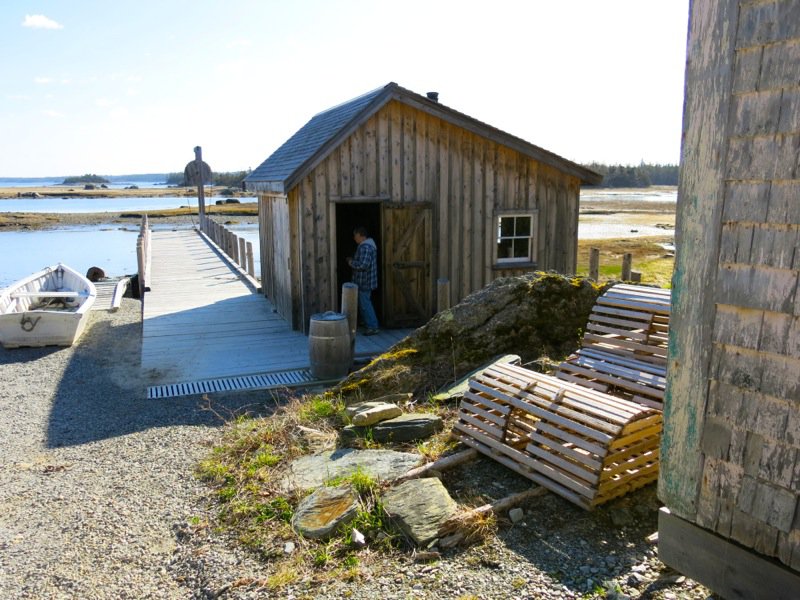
x: 576, y: 549
x: 102, y: 393
x: 22, y: 355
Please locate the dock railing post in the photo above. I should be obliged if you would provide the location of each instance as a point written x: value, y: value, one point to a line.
x: 251, y: 269
x: 143, y: 255
x: 242, y: 253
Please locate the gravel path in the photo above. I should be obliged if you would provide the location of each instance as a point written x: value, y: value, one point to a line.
x: 94, y: 479
x: 97, y: 500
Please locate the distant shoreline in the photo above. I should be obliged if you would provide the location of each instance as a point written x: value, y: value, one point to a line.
x: 77, y: 191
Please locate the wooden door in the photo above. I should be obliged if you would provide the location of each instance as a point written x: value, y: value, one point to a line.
x: 282, y: 256
x: 407, y: 250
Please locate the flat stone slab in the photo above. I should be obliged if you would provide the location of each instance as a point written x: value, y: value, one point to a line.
x: 310, y: 472
x: 419, y: 507
x: 369, y: 413
x: 405, y: 428
x: 325, y: 509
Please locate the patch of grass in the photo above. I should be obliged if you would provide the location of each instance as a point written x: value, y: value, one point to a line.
x: 320, y: 408
x: 284, y: 576
x: 648, y: 257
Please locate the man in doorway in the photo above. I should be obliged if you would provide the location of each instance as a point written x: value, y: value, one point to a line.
x: 365, y: 276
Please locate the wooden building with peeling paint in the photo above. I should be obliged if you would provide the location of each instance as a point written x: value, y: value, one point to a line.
x: 730, y: 456
x: 443, y: 195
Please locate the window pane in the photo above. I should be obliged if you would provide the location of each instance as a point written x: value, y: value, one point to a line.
x: 506, y: 226
x: 521, y: 248
x: 505, y: 249
x: 523, y: 226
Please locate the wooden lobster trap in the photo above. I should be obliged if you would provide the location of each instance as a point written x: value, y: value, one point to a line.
x: 582, y: 444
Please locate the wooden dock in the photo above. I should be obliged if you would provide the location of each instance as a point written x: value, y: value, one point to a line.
x: 206, y: 329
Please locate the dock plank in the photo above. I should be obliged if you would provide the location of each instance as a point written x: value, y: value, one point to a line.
x: 201, y: 320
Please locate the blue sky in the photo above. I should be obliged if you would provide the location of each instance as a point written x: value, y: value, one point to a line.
x: 131, y: 87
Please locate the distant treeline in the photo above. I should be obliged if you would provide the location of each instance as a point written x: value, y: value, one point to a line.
x: 231, y: 179
x: 642, y: 175
x: 76, y: 179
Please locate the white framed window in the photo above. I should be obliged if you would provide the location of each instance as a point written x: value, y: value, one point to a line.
x: 515, y: 241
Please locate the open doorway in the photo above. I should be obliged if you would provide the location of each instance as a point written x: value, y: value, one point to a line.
x: 349, y: 216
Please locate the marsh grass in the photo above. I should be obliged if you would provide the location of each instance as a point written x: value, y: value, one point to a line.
x: 648, y: 256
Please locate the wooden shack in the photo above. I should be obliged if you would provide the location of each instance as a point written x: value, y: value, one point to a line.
x: 730, y: 456
x: 443, y: 195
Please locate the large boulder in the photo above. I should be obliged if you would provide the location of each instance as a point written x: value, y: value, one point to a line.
x: 535, y: 315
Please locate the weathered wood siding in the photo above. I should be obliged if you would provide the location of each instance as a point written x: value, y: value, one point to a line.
x: 405, y: 155
x: 278, y: 235
x: 731, y: 447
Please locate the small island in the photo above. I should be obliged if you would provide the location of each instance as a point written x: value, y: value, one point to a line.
x: 80, y: 179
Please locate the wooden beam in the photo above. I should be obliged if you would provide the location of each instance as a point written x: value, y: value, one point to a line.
x: 707, y: 105
x: 723, y: 566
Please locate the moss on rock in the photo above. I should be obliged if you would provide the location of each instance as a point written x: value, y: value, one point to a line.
x: 535, y: 315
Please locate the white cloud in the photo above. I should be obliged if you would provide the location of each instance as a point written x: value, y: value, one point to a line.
x: 119, y: 113
x: 103, y: 102
x: 43, y: 80
x: 240, y: 43
x: 53, y: 114
x: 17, y: 97
x: 40, y: 22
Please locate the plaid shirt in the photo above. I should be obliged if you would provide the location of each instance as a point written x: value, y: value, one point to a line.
x: 365, y: 265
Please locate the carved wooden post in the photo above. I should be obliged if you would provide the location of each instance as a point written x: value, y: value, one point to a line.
x: 201, y: 196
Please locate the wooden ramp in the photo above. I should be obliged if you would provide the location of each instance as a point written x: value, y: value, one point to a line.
x: 109, y: 293
x: 206, y: 329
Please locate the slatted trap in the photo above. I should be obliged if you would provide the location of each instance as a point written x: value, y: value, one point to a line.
x: 584, y: 445
x: 624, y: 349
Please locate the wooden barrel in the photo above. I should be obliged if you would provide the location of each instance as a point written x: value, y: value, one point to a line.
x: 329, y: 347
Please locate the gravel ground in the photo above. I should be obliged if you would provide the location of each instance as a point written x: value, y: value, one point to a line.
x: 97, y: 500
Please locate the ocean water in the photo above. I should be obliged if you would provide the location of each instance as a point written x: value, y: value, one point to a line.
x: 115, y: 181
x: 95, y: 205
x: 111, y: 247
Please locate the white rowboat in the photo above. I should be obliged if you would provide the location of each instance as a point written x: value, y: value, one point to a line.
x: 48, y: 308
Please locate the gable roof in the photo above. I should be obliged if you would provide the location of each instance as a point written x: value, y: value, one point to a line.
x: 298, y: 155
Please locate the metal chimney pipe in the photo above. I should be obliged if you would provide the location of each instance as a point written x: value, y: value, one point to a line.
x: 433, y: 96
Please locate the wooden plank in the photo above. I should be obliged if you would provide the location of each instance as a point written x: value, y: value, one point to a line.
x: 48, y: 294
x: 586, y: 425
x: 720, y: 564
x: 517, y: 456
x: 571, y: 438
x: 550, y: 392
x: 202, y: 321
x: 556, y: 447
x: 653, y: 431
x: 482, y: 425
x: 559, y: 477
x: 551, y: 457
x: 625, y: 361
x: 480, y: 412
x: 616, y: 381
x: 502, y: 409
